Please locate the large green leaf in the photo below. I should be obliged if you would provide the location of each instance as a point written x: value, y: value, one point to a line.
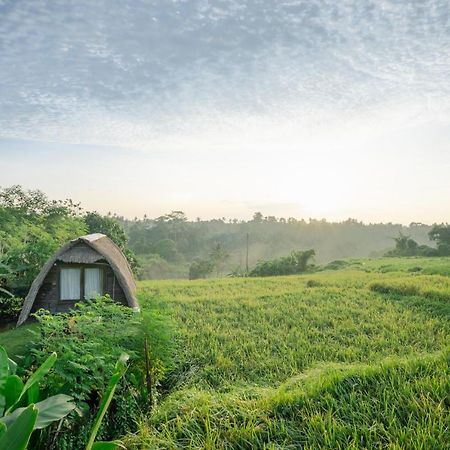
x: 49, y: 410
x: 53, y: 408
x: 12, y: 366
x: 35, y: 378
x: 41, y: 372
x: 4, y: 365
x: 4, y: 371
x: 33, y: 394
x: 120, y: 369
x: 17, y: 436
x: 13, y: 389
x: 2, y: 429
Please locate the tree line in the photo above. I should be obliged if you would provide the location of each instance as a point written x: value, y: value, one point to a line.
x: 33, y: 227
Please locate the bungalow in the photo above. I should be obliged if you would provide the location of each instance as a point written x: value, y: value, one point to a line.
x: 83, y: 268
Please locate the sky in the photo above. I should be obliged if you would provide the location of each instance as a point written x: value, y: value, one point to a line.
x: 312, y: 108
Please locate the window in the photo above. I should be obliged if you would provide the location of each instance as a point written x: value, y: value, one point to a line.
x: 70, y: 283
x: 93, y: 282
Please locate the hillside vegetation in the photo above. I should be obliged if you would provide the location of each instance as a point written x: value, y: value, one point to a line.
x: 355, y: 358
x: 167, y: 245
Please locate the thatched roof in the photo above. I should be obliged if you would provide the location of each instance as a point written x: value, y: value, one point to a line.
x: 86, y: 249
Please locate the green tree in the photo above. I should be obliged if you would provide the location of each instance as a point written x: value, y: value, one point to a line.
x: 258, y: 217
x: 96, y: 223
x: 218, y: 257
x: 296, y: 262
x: 167, y: 249
x: 32, y: 227
x: 441, y: 235
x: 200, y: 268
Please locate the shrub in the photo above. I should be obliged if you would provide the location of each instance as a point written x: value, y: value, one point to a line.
x: 336, y: 265
x: 200, y: 269
x: 313, y: 283
x: 10, y: 307
x: 89, y: 341
x: 20, y: 411
x: 296, y: 262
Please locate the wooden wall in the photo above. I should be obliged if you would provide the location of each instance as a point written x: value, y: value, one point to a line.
x: 48, y: 295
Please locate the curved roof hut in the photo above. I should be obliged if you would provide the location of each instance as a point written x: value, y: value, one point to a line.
x: 83, y: 268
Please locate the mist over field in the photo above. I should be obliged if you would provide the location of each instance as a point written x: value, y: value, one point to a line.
x: 224, y: 224
x: 167, y: 245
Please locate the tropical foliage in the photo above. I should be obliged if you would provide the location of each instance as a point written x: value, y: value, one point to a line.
x: 441, y: 235
x: 21, y: 412
x: 91, y: 341
x: 167, y: 246
x: 295, y: 263
x: 406, y: 246
x: 32, y: 228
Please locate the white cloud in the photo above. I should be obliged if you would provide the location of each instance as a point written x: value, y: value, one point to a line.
x: 306, y: 83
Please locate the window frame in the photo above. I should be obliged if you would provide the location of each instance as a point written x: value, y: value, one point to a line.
x: 102, y: 268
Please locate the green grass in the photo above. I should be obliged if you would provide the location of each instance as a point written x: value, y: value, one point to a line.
x: 263, y: 331
x: 16, y: 341
x: 428, y: 266
x: 397, y: 405
x: 357, y: 358
x: 324, y: 360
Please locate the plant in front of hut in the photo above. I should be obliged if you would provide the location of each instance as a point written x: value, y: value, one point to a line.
x: 21, y: 412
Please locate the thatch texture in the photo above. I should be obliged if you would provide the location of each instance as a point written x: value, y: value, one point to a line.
x: 81, y: 254
x: 94, y: 247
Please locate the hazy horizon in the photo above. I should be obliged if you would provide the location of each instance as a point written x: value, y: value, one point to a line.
x: 223, y: 108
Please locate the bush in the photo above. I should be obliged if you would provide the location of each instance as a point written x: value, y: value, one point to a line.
x: 89, y: 341
x: 336, y: 265
x: 10, y: 308
x: 296, y: 262
x: 313, y: 284
x: 200, y: 269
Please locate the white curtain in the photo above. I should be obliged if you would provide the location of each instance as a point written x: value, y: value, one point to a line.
x: 70, y: 284
x: 92, y: 282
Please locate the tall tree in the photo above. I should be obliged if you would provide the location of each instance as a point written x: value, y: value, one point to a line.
x: 441, y: 235
x: 218, y: 257
x: 96, y: 223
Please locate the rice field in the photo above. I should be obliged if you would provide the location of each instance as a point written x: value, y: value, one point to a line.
x: 354, y: 358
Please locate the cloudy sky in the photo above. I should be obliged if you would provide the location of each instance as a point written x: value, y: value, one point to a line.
x: 308, y: 108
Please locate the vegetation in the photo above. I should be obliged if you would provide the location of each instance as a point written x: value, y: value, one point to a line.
x: 323, y: 360
x: 441, y: 234
x: 295, y: 263
x: 32, y: 228
x: 352, y: 354
x: 200, y: 268
x: 89, y: 341
x: 167, y: 246
x: 17, y: 341
x: 96, y: 223
x: 20, y: 411
x: 405, y: 246
x: 356, y: 357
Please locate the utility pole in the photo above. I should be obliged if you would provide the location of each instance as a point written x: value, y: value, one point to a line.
x: 246, y: 258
